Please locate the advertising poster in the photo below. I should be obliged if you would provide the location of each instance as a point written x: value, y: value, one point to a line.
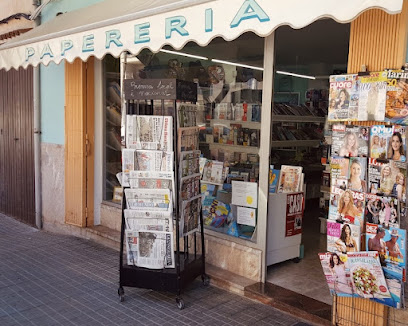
x: 294, y: 214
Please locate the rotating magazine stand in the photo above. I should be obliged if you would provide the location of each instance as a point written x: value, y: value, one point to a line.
x: 155, y: 98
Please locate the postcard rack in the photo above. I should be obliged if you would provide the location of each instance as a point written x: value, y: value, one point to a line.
x: 189, y: 262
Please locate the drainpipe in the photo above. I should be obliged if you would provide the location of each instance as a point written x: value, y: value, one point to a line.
x: 37, y: 141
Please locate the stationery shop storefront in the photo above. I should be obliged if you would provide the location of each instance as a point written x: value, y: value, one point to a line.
x: 230, y: 55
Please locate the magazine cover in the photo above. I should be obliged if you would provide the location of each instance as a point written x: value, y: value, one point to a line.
x: 154, y: 161
x: 190, y: 186
x: 187, y: 139
x: 379, y: 138
x: 343, y: 98
x: 213, y: 172
x: 273, y: 179
x: 395, y: 282
x: 396, y: 110
x: 336, y: 273
x: 388, y: 178
x: 396, y: 144
x: 215, y: 213
x: 190, y: 215
x: 289, y: 178
x: 349, y: 140
x: 189, y: 163
x: 187, y: 115
x: 372, y: 96
x: 339, y: 169
x: 382, y: 210
x: 342, y: 238
x: 357, y: 174
x: 347, y: 206
x: 367, y: 276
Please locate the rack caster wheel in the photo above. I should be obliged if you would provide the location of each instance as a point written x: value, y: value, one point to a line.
x: 180, y: 303
x: 121, y: 293
x: 296, y: 260
x: 206, y: 280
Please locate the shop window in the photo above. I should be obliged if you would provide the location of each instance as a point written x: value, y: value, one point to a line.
x: 229, y: 76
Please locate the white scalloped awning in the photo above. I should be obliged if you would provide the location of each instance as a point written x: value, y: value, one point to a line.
x: 115, y: 26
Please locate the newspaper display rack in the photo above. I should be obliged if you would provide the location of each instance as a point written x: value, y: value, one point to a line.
x: 152, y: 100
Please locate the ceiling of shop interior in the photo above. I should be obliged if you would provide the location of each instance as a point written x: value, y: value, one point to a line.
x: 324, y: 41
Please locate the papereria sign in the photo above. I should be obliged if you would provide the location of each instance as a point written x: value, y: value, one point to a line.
x: 200, y: 23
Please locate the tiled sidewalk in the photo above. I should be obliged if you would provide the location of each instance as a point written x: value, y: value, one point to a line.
x: 49, y: 279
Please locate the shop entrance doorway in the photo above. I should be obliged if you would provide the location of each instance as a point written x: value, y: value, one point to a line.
x: 304, y: 60
x: 79, y: 141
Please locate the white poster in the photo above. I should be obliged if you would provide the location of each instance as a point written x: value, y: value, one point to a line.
x: 245, y: 193
x: 246, y: 216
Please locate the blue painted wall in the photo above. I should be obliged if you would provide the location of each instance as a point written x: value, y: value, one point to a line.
x: 52, y: 85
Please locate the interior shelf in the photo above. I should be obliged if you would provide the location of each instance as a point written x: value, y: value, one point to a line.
x: 297, y: 118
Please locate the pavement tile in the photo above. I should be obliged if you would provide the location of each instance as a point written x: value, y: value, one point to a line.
x: 51, y: 279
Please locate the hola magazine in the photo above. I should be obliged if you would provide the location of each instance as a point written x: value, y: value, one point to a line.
x: 343, y: 98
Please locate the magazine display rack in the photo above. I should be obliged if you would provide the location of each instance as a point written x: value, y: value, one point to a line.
x: 157, y: 99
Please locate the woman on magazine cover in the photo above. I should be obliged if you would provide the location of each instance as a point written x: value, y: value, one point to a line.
x: 350, y: 145
x: 347, y: 209
x: 338, y: 270
x: 396, y: 148
x: 346, y: 243
x: 398, y: 190
x: 375, y: 147
x: 355, y: 182
x: 386, y: 182
x: 373, y: 208
x: 343, y: 99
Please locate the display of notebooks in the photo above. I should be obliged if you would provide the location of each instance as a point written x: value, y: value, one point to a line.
x: 343, y: 98
x: 349, y: 140
x: 342, y: 237
x: 357, y: 174
x: 396, y: 110
x: 154, y: 160
x: 379, y: 139
x: 150, y: 132
x: 339, y: 170
x: 382, y: 210
x: 347, y: 206
x: 367, y: 276
x: 397, y: 149
x: 289, y: 178
x: 187, y: 115
x: 372, y: 96
x: 336, y: 273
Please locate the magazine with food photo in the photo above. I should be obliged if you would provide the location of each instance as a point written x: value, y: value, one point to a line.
x: 357, y: 174
x: 367, y: 276
x: 397, y: 144
x: 396, y: 110
x: 379, y: 139
x: 342, y: 237
x: 289, y: 178
x: 372, y: 96
x: 336, y: 273
x: 343, y: 98
x: 347, y: 206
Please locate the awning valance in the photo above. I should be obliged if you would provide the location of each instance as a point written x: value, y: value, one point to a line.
x: 130, y: 25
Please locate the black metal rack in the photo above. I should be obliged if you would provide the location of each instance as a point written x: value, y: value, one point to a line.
x: 188, y: 265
